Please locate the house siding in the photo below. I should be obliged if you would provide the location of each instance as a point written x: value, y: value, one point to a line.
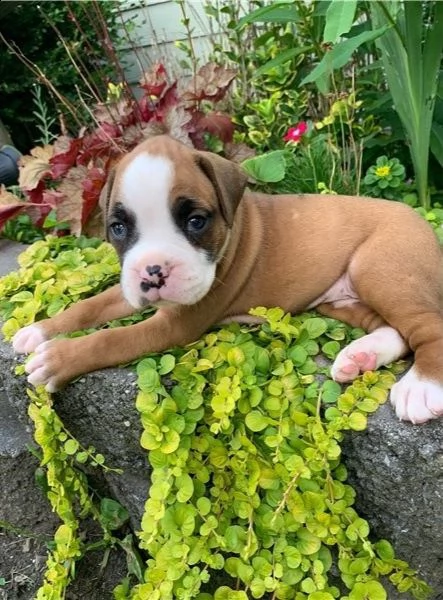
x: 154, y: 27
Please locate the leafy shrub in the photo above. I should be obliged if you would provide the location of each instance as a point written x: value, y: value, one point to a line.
x: 41, y: 34
x: 305, y: 56
x: 64, y: 179
x: 322, y: 156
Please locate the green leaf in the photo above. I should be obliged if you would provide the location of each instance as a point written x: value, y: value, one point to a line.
x: 167, y: 364
x: 22, y: 297
x: 339, y: 18
x: 307, y: 543
x: 330, y: 391
x: 81, y: 457
x: 331, y: 349
x: 203, y: 506
x: 385, y: 550
x: 315, y: 327
x: 293, y: 557
x: 170, y: 442
x: 371, y: 590
x: 256, y: 421
x: 235, y: 537
x: 359, y: 566
x: 71, y: 446
x: 358, y: 528
x: 112, y: 514
x: 267, y: 168
x: 148, y: 378
x: 308, y: 586
x: 282, y: 57
x: 368, y: 405
x: 185, y: 487
x: 226, y: 593
x: 277, y: 12
x: 341, y: 54
x: 298, y: 355
x: 133, y: 559
x: 437, y: 141
x: 357, y: 421
x: 99, y: 459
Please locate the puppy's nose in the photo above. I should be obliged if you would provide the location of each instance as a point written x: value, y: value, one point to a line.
x: 153, y: 277
x: 153, y: 269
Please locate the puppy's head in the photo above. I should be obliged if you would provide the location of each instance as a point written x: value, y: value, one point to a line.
x: 168, y: 212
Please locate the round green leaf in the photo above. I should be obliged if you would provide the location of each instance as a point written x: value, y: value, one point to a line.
x: 372, y: 590
x: 71, y: 446
x: 315, y: 327
x: 307, y: 543
x: 330, y: 390
x: 255, y: 421
x: 357, y: 421
x: 167, y: 364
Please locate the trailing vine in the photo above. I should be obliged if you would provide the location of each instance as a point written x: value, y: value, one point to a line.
x: 248, y: 495
x: 68, y: 494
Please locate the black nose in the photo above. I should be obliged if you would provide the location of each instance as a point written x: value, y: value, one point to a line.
x: 154, y: 270
x: 156, y: 278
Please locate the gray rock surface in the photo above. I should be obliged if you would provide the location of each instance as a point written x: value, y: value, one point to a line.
x: 396, y: 468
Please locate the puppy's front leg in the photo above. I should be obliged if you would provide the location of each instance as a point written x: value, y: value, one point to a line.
x: 91, y: 312
x: 58, y: 361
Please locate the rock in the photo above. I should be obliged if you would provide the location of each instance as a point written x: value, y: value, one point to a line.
x: 397, y: 470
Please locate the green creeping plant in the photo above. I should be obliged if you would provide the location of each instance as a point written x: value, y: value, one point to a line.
x: 242, y: 431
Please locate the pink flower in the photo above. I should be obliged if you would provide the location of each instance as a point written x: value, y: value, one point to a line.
x: 295, y: 133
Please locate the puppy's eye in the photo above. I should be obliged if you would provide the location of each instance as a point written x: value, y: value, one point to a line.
x: 196, y: 223
x: 118, y: 230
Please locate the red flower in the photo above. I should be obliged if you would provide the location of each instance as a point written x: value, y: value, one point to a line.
x: 295, y: 133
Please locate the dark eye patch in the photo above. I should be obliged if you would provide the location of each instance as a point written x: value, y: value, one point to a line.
x: 122, y: 229
x: 192, y: 219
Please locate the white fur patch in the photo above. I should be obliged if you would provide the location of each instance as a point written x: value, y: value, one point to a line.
x: 27, y: 339
x: 369, y: 352
x: 145, y: 189
x: 417, y: 399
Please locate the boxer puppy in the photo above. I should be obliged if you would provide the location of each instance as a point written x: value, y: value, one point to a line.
x: 193, y: 244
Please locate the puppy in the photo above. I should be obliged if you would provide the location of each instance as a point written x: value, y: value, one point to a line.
x: 192, y: 243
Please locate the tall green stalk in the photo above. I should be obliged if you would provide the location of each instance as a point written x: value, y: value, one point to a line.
x: 411, y: 52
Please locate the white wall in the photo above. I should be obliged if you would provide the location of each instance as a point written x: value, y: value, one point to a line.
x: 155, y: 26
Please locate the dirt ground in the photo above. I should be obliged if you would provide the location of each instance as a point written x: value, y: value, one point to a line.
x: 26, y: 526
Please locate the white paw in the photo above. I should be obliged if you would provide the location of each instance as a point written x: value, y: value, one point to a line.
x: 39, y: 369
x: 417, y: 400
x: 369, y: 352
x: 27, y: 339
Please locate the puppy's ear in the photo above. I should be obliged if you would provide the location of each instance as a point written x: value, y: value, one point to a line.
x: 228, y: 180
x: 105, y: 197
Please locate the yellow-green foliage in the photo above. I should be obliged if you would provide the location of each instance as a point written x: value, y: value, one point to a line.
x: 243, y: 431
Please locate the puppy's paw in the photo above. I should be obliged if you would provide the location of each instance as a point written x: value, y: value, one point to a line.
x: 369, y: 352
x: 417, y: 399
x: 28, y: 338
x: 46, y: 367
x: 348, y: 365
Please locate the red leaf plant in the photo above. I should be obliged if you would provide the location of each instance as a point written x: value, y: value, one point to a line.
x: 67, y: 177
